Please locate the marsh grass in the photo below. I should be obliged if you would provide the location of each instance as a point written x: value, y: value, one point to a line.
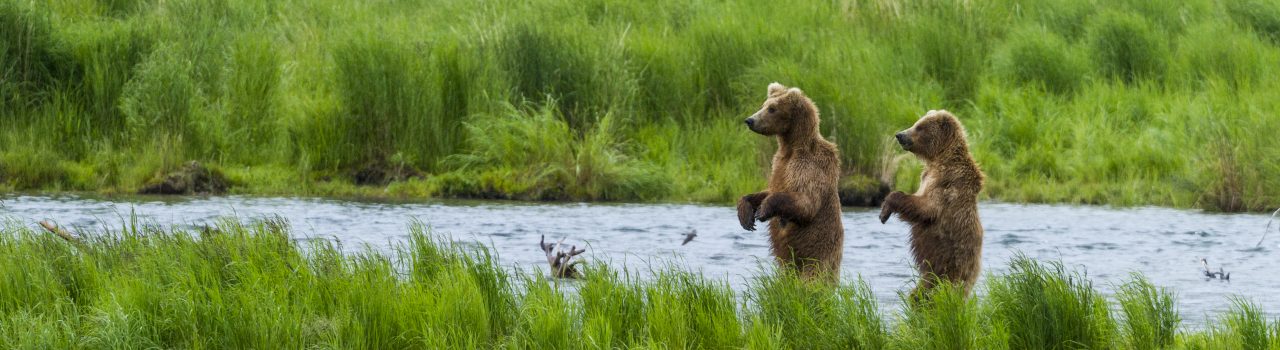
x: 814, y: 316
x: 1126, y: 47
x: 1037, y: 56
x: 1043, y: 305
x: 1263, y: 17
x: 949, y: 320
x: 34, y: 59
x: 1065, y: 100
x: 1150, y: 314
x: 533, y: 152
x: 252, y: 285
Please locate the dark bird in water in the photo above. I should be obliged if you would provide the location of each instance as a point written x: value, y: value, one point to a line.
x: 1211, y: 274
x: 689, y: 236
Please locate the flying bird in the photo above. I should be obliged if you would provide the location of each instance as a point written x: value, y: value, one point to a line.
x: 689, y: 236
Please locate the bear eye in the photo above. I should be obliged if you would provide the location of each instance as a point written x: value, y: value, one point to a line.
x: 771, y: 110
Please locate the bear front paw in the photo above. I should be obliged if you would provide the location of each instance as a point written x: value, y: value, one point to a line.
x: 747, y: 221
x: 765, y: 213
x: 746, y: 215
x: 886, y: 208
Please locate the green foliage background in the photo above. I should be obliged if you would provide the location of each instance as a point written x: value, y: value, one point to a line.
x: 1119, y: 102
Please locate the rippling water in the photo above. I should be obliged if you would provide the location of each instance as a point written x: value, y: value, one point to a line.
x: 1166, y: 245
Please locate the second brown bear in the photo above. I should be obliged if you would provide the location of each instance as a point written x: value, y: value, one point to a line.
x: 801, y: 204
x: 946, y: 235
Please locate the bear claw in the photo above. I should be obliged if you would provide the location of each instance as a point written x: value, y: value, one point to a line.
x: 761, y: 217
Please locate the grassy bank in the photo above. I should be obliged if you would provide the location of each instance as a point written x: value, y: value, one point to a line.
x: 252, y: 286
x: 1120, y: 102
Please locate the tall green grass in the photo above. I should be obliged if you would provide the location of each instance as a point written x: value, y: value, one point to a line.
x: 251, y: 285
x: 35, y: 61
x: 1043, y: 306
x: 1150, y: 314
x: 1125, y: 46
x: 1123, y: 102
x: 535, y: 153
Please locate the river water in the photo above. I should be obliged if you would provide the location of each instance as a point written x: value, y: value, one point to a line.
x: 1108, y: 244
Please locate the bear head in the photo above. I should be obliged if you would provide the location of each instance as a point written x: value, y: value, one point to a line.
x: 935, y: 132
x: 786, y: 111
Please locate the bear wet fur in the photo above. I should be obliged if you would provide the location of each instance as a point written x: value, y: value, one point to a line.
x: 946, y: 234
x: 801, y: 203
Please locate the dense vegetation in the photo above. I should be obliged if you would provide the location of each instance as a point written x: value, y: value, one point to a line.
x: 251, y: 286
x: 1123, y: 102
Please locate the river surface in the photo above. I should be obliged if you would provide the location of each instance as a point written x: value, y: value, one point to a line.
x: 1108, y: 244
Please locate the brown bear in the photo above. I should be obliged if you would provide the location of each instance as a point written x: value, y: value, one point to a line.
x: 946, y: 235
x: 801, y: 203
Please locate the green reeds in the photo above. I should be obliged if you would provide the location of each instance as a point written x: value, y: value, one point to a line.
x: 1122, y: 102
x: 1150, y: 314
x: 534, y: 153
x: 252, y: 285
x: 1044, y: 306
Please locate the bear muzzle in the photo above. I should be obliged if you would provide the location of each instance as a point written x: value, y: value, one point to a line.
x: 752, y: 125
x: 903, y: 139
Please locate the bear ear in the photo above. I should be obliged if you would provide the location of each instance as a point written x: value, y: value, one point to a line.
x: 776, y: 89
x: 795, y: 91
x: 947, y: 122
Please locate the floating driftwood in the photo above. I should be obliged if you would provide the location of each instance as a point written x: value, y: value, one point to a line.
x: 689, y: 236
x: 59, y: 232
x: 68, y: 236
x: 1225, y: 276
x: 560, y: 261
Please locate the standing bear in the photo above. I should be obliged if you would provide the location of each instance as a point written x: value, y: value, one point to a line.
x: 946, y: 235
x: 801, y: 203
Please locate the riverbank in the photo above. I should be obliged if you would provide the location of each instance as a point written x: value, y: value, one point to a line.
x: 1122, y: 102
x: 152, y: 287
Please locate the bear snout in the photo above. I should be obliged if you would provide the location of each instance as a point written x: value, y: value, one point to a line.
x: 751, y: 122
x: 903, y: 139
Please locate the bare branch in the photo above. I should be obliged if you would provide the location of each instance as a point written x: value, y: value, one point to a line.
x: 549, y: 250
x: 561, y: 262
x: 1267, y: 230
x: 60, y: 232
